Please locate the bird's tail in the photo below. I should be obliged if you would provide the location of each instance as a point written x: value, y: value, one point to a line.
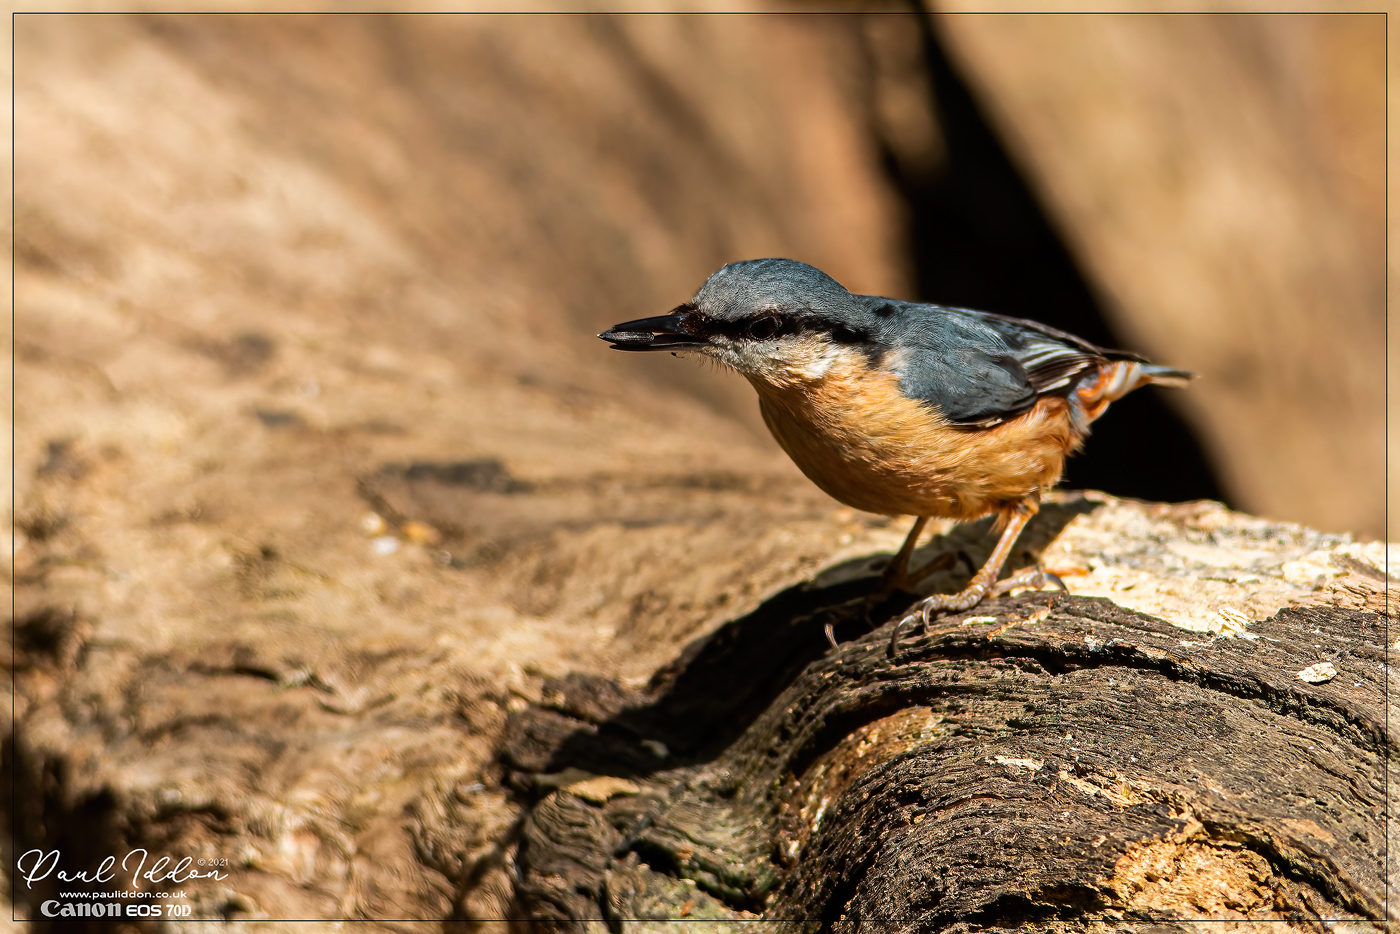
x: 1121, y: 377
x: 1164, y: 376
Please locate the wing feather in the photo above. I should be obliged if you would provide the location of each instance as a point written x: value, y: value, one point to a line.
x: 981, y: 369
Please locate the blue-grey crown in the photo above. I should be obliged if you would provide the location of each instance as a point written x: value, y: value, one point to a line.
x: 739, y: 289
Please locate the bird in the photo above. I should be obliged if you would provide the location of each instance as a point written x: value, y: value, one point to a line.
x: 904, y: 408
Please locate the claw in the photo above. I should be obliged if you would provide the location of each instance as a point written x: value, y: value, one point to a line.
x: 920, y: 612
x: 894, y: 636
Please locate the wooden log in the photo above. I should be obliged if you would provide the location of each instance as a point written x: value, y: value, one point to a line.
x: 1043, y: 758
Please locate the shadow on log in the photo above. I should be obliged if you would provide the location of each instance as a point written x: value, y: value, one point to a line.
x: 1041, y: 758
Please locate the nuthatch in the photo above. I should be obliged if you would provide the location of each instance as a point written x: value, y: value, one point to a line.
x: 900, y: 408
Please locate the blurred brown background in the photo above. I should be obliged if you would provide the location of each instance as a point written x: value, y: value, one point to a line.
x: 1221, y: 180
x: 319, y: 468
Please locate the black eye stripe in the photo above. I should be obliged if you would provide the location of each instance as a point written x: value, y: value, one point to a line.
x: 767, y: 325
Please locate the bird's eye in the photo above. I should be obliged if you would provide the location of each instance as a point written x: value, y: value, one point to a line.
x: 765, y: 327
x: 844, y: 335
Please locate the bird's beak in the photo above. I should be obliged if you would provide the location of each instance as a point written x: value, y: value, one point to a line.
x: 667, y: 332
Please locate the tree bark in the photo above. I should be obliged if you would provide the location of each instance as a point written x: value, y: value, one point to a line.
x: 1044, y: 758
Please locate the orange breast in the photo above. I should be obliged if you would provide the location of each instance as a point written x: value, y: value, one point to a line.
x: 858, y: 438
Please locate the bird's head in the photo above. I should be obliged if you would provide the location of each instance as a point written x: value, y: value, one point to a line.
x: 773, y: 320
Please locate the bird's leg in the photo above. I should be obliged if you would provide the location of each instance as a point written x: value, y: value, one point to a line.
x: 896, y: 576
x: 1015, y: 520
x: 1036, y: 577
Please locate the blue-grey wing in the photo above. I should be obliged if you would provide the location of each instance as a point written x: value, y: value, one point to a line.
x: 980, y: 369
